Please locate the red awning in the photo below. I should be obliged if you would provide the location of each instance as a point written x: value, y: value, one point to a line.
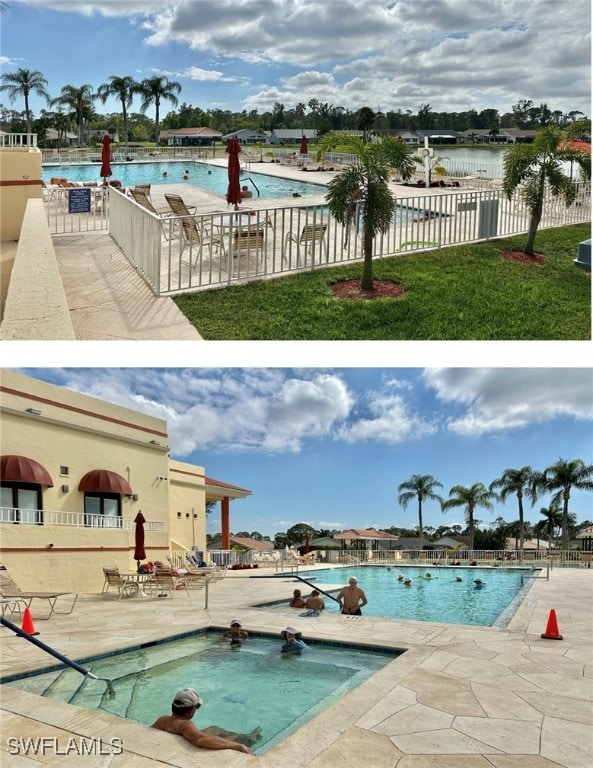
x: 20, y: 469
x: 104, y: 481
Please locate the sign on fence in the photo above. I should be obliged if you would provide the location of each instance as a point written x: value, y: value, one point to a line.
x: 79, y: 200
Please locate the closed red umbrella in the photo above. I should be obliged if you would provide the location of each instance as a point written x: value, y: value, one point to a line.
x: 139, y: 551
x: 233, y: 195
x: 106, y: 157
x: 304, y: 147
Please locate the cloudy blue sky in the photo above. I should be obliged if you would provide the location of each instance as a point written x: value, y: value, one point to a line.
x: 248, y: 54
x: 329, y: 446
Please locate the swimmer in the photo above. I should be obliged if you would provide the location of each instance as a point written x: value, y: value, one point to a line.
x: 407, y: 582
x: 458, y: 578
x: 427, y: 576
x: 164, y: 173
x: 479, y: 583
x: 400, y: 577
x: 185, y: 177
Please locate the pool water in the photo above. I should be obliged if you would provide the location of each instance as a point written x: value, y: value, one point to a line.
x: 209, y: 177
x: 440, y: 598
x: 241, y: 689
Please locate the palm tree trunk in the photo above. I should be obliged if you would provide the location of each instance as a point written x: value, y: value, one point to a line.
x: 366, y: 281
x: 470, y: 520
x: 420, y: 525
x: 565, y: 522
x: 535, y: 217
x: 28, y: 113
x: 521, y: 526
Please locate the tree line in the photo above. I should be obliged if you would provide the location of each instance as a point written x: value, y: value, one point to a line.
x: 76, y: 109
x: 522, y: 484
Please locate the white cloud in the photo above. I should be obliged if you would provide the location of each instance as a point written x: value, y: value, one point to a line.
x: 501, y: 399
x: 386, y: 417
x: 232, y: 410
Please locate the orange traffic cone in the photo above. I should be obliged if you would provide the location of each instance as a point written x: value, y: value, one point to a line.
x: 28, y: 626
x: 552, y: 632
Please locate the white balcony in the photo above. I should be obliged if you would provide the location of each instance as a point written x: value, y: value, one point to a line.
x: 47, y: 517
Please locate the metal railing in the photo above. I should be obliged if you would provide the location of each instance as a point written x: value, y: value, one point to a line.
x: 64, y: 218
x: 528, y: 558
x: 192, y: 253
x: 47, y: 517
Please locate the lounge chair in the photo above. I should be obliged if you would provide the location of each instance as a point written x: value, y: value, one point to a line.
x: 141, y: 197
x: 125, y: 587
x: 310, y: 234
x: 197, y: 235
x: 9, y: 589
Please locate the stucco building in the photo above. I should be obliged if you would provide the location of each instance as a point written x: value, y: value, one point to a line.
x: 74, y: 473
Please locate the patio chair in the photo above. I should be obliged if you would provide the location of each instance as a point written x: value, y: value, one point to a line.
x: 125, y: 587
x: 197, y: 236
x: 250, y: 241
x: 141, y: 197
x: 9, y: 589
x: 310, y: 234
x: 165, y: 583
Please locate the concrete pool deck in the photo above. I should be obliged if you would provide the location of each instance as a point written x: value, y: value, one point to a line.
x: 460, y: 697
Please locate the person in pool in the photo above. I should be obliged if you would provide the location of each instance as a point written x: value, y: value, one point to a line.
x: 296, y: 601
x: 315, y: 602
x: 479, y: 583
x: 235, y: 631
x: 185, y: 705
x: 351, y: 598
x: 293, y: 641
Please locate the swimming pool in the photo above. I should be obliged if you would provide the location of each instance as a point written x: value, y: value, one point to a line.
x: 253, y: 686
x: 209, y: 177
x: 440, y: 598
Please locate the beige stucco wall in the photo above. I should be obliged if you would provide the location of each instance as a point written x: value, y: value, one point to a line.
x: 80, y: 433
x: 187, y: 504
x: 18, y: 168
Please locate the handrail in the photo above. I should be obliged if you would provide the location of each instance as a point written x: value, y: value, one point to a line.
x: 57, y: 655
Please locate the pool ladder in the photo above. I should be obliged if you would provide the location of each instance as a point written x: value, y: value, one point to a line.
x: 530, y: 575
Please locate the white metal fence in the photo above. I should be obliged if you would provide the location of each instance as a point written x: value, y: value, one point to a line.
x: 528, y: 558
x: 192, y: 253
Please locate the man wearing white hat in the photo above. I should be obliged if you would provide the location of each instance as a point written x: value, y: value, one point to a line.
x: 184, y: 707
x: 351, y: 598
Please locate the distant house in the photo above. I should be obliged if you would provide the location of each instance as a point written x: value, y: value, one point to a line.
x: 189, y: 137
x: 512, y: 544
x: 65, y: 139
x: 247, y: 136
x: 292, y: 136
x: 361, y: 538
x: 500, y: 136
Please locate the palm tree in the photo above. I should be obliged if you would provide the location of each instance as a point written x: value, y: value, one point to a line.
x: 419, y: 487
x: 80, y: 101
x: 365, y: 183
x: 553, y: 519
x: 562, y: 477
x: 475, y: 496
x: 539, y: 165
x: 153, y: 90
x: 520, y: 483
x: 124, y: 89
x: 22, y: 83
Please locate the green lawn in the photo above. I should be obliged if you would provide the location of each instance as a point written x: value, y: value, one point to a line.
x: 463, y: 292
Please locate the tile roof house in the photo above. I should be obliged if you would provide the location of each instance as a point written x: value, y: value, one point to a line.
x: 189, y: 137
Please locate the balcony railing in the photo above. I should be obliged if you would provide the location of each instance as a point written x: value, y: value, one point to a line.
x: 18, y: 141
x: 46, y: 517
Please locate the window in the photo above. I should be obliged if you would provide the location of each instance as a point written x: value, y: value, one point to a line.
x: 64, y: 471
x: 21, y: 503
x: 102, y: 510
